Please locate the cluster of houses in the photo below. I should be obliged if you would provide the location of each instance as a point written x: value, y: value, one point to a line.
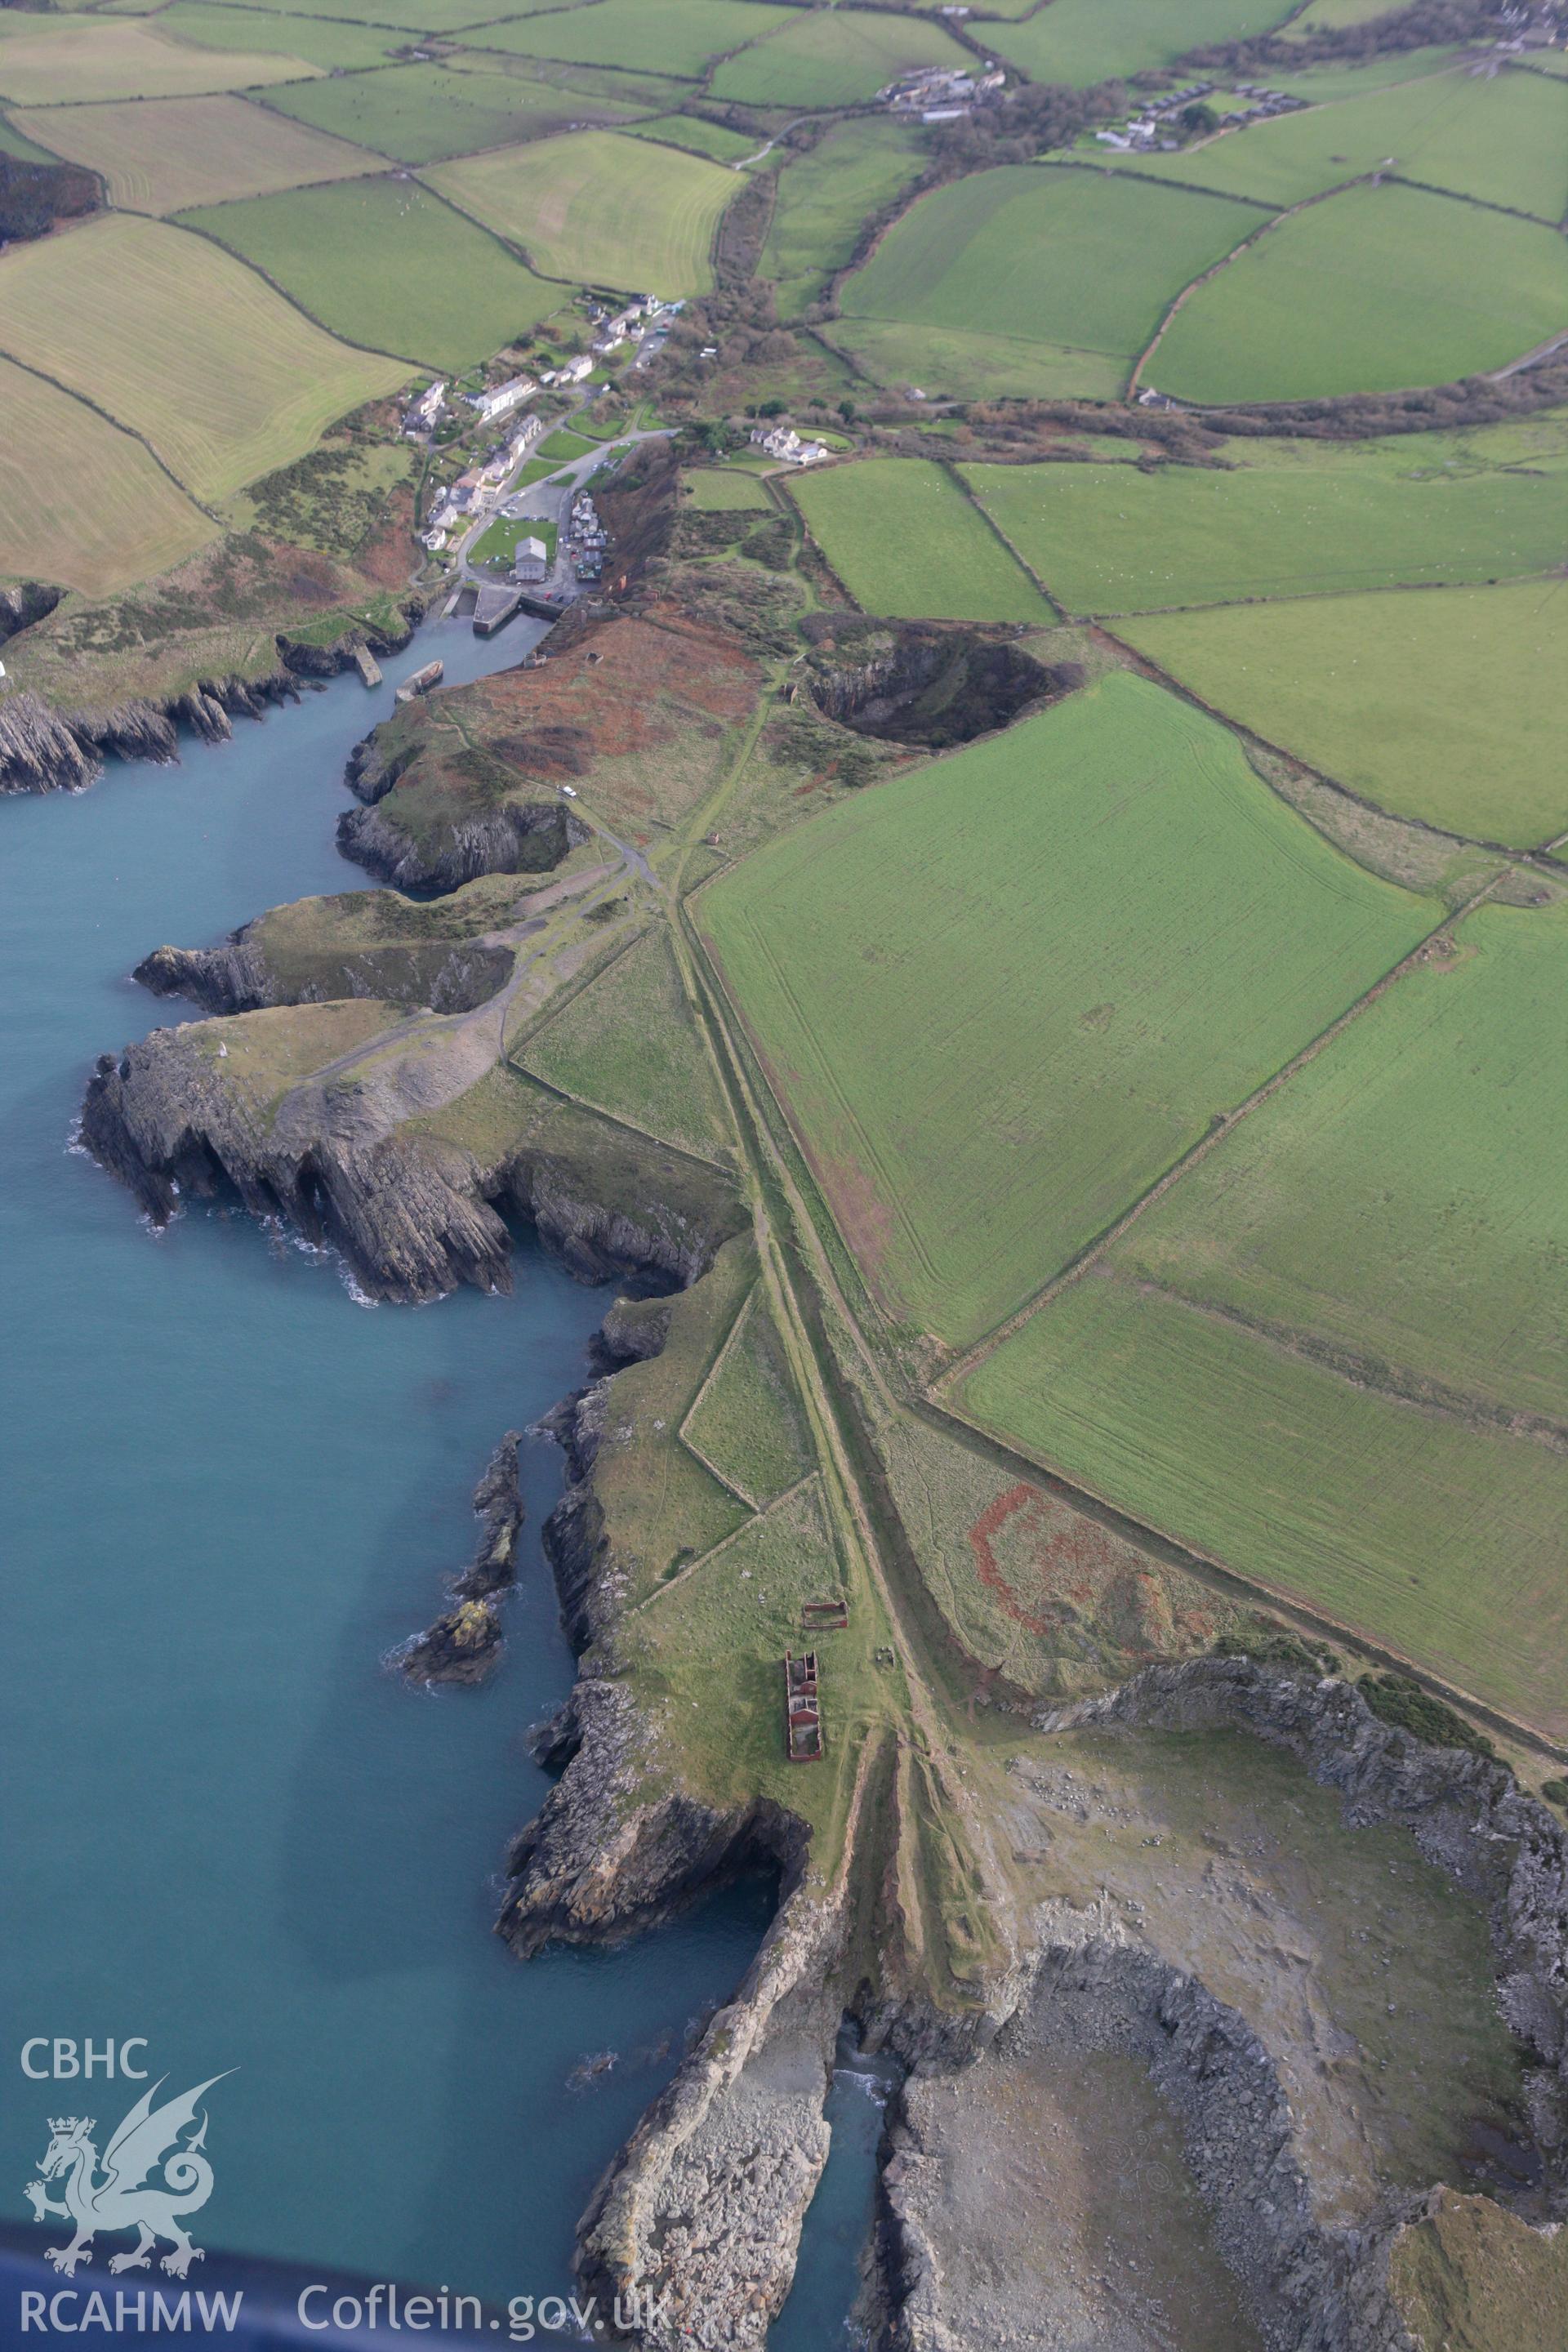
x: 588, y: 541
x: 1530, y: 29
x: 783, y: 442
x: 938, y: 94
x: 1149, y: 132
x: 473, y: 491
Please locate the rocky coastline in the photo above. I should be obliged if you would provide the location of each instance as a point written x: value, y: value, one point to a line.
x: 43, y: 749
x: 526, y: 838
x: 466, y: 1641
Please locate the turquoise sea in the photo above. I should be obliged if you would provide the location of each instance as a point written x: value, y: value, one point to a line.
x: 229, y: 1491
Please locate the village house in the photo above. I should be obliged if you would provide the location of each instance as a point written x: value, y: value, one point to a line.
x: 783, y: 441
x: 502, y: 398
x: 530, y: 561
x: 424, y: 413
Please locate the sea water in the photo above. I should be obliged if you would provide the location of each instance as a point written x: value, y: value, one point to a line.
x: 229, y: 1491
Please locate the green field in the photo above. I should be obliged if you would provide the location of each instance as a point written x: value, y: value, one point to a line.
x: 14, y: 142
x: 162, y: 155
x: 690, y: 130
x: 1317, y: 84
x: 212, y: 25
x: 596, y: 1049
x: 182, y: 344
x: 53, y: 60
x: 662, y: 37
x: 833, y: 58
x: 714, y: 491
x: 906, y: 542
x: 1327, y: 1354
x: 1503, y: 140
x: 499, y: 544
x: 747, y: 1425
x: 421, y: 114
x: 385, y: 264
x: 1374, y: 290
x: 600, y: 209
x: 824, y: 198
x: 1293, y: 519
x: 80, y: 502
x: 408, y: 15
x: 1438, y: 704
x: 1003, y: 994
x: 1037, y: 278
x: 1085, y: 41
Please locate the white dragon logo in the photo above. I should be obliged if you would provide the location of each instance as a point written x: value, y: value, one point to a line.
x: 127, y: 2198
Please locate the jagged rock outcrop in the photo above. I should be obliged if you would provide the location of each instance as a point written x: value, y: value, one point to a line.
x: 526, y: 838
x: 412, y: 1216
x: 25, y: 602
x: 1467, y: 1814
x: 952, y: 2277
x: 50, y: 750
x: 465, y: 1643
x: 371, y: 771
x: 303, y: 660
x: 238, y: 977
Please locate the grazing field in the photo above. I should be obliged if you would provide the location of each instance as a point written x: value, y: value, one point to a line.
x: 1369, y: 1272
x: 421, y: 114
x: 833, y: 58
x: 212, y: 25
x: 1317, y: 84
x: 599, y: 208
x: 746, y: 1425
x: 410, y: 16
x: 690, y: 130
x: 906, y: 542
x: 662, y: 37
x: 1085, y: 41
x: 81, y: 503
x: 824, y: 198
x: 1293, y: 519
x: 1502, y: 138
x: 596, y: 1048
x: 1000, y: 996
x: 53, y: 60
x: 713, y: 491
x: 166, y: 154
x: 182, y: 344
x: 387, y: 265
x: 1015, y: 270
x: 1438, y: 704
x: 1374, y: 290
x: 13, y: 143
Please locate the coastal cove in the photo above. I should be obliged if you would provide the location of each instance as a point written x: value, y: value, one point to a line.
x: 233, y: 1491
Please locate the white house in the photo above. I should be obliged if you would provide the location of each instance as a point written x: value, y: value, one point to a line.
x: 531, y: 560
x: 502, y: 399
x: 783, y: 441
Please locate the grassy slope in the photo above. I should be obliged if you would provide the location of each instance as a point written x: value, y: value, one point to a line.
x: 1056, y: 954
x: 905, y: 541
x: 616, y: 212
x: 747, y: 1423
x: 212, y: 25
x: 712, y: 490
x: 47, y: 61
x: 389, y: 265
x: 702, y: 138
x: 1085, y: 41
x: 420, y: 113
x: 1504, y: 140
x: 663, y: 37
x: 1389, y: 1228
x: 833, y: 58
x: 1373, y: 290
x: 164, y: 156
x: 183, y: 344
x: 1293, y: 519
x: 1441, y: 705
x: 823, y: 199
x: 81, y: 503
x: 1444, y: 1541
x: 1025, y: 257
x: 412, y: 16
x: 598, y: 1048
